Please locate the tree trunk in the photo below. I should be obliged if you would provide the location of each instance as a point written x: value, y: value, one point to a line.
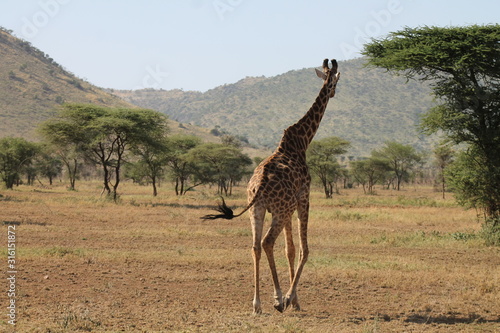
x: 155, y: 192
x: 177, y: 186
x: 72, y: 176
x: 328, y: 194
x: 182, y: 186
x: 443, y: 182
x: 9, y: 181
x: 106, y: 179
x: 117, y: 179
x: 72, y: 170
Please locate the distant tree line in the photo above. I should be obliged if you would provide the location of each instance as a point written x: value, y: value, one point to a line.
x: 120, y: 142
x: 135, y: 144
x: 390, y: 166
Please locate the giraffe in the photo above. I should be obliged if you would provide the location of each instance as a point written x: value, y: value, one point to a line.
x: 280, y: 185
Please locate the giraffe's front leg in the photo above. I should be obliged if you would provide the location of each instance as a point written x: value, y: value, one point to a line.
x: 290, y: 253
x: 268, y: 245
x: 303, y: 218
x: 278, y: 300
x: 291, y: 296
x: 291, y: 300
x: 268, y: 242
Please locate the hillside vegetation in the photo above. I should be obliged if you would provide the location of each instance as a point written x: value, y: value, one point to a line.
x: 371, y: 106
x: 32, y: 85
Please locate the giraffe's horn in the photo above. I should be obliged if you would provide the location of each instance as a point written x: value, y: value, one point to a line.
x: 334, y: 65
x: 325, y: 64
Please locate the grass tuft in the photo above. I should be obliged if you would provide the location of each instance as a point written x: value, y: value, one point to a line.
x: 491, y: 232
x: 63, y: 251
x: 425, y: 239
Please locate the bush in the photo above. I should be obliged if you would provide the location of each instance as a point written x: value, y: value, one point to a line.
x: 491, y: 232
x: 474, y: 183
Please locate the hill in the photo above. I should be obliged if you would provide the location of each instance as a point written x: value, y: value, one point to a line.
x: 32, y: 85
x: 370, y: 107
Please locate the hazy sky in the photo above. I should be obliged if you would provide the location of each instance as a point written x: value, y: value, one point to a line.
x: 201, y: 44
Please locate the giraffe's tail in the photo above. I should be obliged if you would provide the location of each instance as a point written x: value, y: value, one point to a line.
x: 226, y: 212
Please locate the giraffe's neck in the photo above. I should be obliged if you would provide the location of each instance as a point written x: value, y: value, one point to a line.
x: 296, y: 138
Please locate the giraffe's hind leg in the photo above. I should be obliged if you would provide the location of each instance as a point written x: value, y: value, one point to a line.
x: 257, y: 215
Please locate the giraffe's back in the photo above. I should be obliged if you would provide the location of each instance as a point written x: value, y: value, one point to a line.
x: 278, y: 181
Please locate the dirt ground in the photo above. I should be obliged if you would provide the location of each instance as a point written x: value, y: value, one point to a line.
x: 395, y: 262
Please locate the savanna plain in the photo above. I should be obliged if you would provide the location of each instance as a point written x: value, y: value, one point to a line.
x: 397, y: 261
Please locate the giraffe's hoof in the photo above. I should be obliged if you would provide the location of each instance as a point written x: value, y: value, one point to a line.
x: 256, y: 307
x: 278, y: 305
x: 289, y: 300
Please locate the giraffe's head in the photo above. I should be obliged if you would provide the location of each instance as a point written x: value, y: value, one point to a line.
x: 329, y: 75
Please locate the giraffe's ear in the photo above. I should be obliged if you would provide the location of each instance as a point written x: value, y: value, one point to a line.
x: 320, y: 74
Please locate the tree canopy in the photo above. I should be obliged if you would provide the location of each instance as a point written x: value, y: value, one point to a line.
x: 370, y: 172
x: 104, y: 135
x: 400, y: 158
x: 322, y: 160
x: 15, y: 154
x: 181, y: 169
x: 219, y: 164
x: 463, y: 66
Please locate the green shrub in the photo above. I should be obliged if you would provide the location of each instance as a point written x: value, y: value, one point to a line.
x: 491, y: 232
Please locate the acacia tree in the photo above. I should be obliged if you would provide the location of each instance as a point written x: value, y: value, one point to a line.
x: 152, y: 159
x: 56, y: 134
x: 236, y: 167
x: 401, y: 159
x: 104, y: 135
x: 462, y: 64
x: 181, y: 168
x: 322, y: 161
x: 443, y: 155
x: 15, y: 155
x: 370, y: 172
x: 48, y: 164
x: 219, y: 164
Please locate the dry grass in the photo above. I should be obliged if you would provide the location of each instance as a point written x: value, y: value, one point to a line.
x: 399, y: 261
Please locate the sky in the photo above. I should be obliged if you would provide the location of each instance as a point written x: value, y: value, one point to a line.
x: 202, y: 44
